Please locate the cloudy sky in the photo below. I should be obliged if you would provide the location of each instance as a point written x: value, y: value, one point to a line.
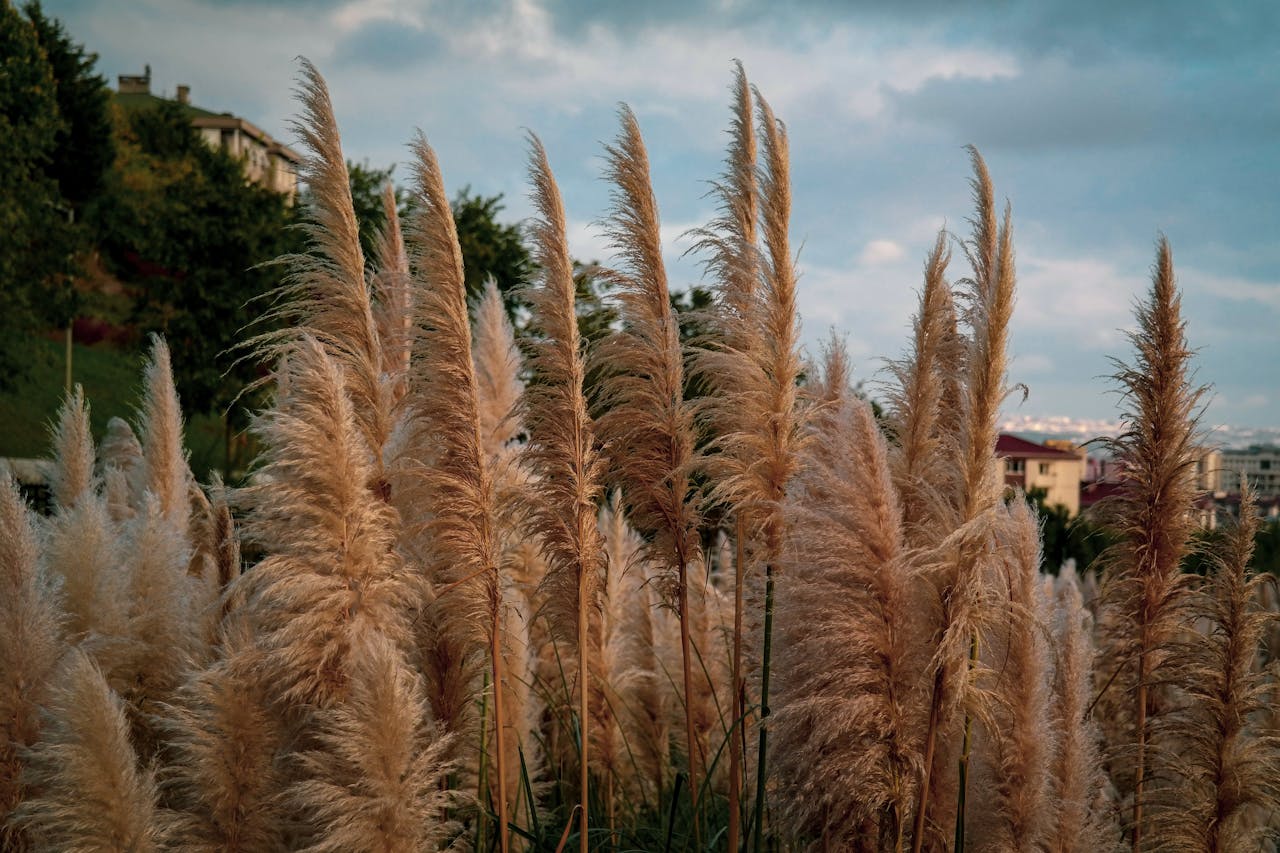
x: 1104, y: 124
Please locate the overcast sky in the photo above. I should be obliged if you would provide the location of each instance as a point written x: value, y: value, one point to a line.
x: 1103, y: 123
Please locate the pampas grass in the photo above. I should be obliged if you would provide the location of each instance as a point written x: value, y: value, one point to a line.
x: 924, y: 444
x: 457, y: 484
x: 753, y: 368
x: 393, y: 309
x: 1226, y: 769
x: 88, y: 790
x: 1021, y: 741
x: 330, y: 578
x: 648, y: 427
x: 1082, y: 814
x: 425, y: 503
x: 849, y: 730
x: 1144, y: 597
x: 30, y: 647
x: 164, y: 459
x: 561, y: 453
x: 375, y: 783
x: 325, y: 295
x: 226, y: 778
x: 963, y: 606
x: 730, y: 240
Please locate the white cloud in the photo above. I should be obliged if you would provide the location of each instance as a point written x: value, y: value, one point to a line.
x: 880, y: 252
x: 351, y: 16
x: 1235, y: 289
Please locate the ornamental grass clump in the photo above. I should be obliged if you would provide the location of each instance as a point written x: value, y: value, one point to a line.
x: 420, y: 625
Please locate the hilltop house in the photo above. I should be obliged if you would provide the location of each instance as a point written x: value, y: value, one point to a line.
x: 266, y: 161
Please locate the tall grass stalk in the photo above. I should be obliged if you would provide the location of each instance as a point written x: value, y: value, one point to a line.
x: 648, y: 428
x: 1145, y: 594
x: 458, y: 482
x: 561, y: 452
x: 730, y: 241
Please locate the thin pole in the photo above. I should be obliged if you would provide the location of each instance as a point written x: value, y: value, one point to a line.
x: 739, y: 710
x: 761, y: 774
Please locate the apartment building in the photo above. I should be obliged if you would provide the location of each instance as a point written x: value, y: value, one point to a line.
x: 1260, y: 465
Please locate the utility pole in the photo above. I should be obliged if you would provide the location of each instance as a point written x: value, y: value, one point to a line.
x: 71, y: 220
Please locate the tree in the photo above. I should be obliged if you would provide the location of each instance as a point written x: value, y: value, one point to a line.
x: 189, y: 235
x: 489, y: 247
x: 366, y: 197
x: 30, y: 253
x: 1064, y: 537
x: 82, y: 153
x: 83, y: 145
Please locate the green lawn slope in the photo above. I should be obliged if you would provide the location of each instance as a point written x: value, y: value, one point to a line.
x: 112, y: 381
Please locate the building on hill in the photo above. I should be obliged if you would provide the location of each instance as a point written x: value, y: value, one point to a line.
x: 1260, y: 465
x: 1056, y: 466
x: 266, y: 161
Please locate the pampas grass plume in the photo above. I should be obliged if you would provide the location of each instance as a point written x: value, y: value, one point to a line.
x: 92, y: 795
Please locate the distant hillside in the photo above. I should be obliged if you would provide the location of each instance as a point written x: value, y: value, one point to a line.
x: 111, y: 381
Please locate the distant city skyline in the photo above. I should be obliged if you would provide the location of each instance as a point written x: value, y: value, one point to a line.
x: 1104, y: 124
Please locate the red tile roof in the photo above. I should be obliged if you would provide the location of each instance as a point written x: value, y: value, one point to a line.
x: 1011, y: 445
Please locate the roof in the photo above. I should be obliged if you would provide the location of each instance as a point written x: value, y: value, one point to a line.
x: 1091, y: 493
x: 1011, y: 445
x: 145, y: 100
x: 202, y: 118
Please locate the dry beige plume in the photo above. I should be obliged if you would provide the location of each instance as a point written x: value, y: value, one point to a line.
x: 164, y: 458
x: 162, y: 630
x: 647, y: 426
x: 849, y: 722
x: 120, y: 464
x: 72, y: 475
x: 565, y: 492
x: 393, y: 308
x: 646, y: 700
x: 1017, y: 749
x: 224, y: 778
x: 1226, y: 771
x: 1077, y: 780
x: 330, y: 576
x: 30, y: 646
x: 1144, y: 596
x: 964, y: 605
x: 456, y: 480
x: 734, y: 265
x: 81, y: 543
x: 924, y: 445
x: 92, y: 796
x: 497, y: 364
x: 325, y: 295
x: 376, y: 781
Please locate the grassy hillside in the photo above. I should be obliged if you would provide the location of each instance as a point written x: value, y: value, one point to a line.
x: 111, y: 380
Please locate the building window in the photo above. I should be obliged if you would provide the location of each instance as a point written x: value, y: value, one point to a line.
x: 1013, y: 466
x: 1264, y: 464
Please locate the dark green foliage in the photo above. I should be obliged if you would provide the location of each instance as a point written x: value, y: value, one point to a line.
x: 1208, y: 544
x: 1266, y: 548
x: 32, y: 249
x: 489, y: 248
x: 1064, y: 537
x: 187, y: 233
x: 83, y: 145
